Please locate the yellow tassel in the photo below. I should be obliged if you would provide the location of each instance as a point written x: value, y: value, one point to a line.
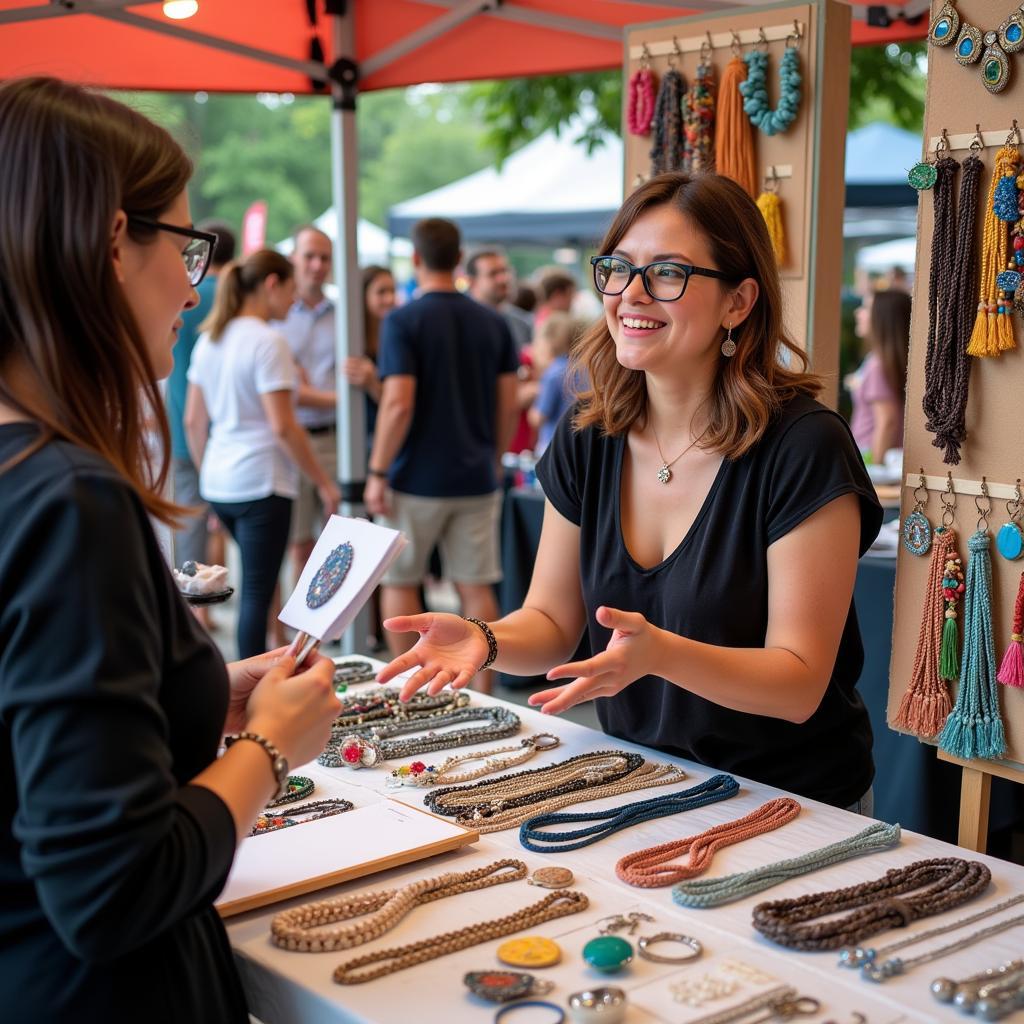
x: 771, y: 209
x: 993, y: 331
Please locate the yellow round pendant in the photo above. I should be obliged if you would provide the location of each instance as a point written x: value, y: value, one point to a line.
x: 532, y: 951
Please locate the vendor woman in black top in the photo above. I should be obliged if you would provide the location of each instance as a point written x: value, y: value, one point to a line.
x: 118, y: 822
x: 703, y: 521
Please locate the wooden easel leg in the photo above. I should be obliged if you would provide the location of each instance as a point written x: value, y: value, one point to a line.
x: 975, y: 789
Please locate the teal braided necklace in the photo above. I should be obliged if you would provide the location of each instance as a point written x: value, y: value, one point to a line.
x: 755, y: 91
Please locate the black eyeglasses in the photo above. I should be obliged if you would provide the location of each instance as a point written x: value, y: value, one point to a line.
x: 197, y: 254
x: 663, y: 281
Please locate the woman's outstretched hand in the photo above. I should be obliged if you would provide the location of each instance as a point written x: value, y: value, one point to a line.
x: 627, y: 657
x: 450, y: 650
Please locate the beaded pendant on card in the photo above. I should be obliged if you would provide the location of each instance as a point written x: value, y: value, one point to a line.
x: 330, y: 576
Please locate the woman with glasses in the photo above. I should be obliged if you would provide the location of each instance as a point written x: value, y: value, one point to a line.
x: 703, y: 521
x: 118, y: 821
x: 242, y: 432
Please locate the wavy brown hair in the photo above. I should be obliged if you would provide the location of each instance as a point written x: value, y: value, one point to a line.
x: 69, y: 160
x: 750, y: 387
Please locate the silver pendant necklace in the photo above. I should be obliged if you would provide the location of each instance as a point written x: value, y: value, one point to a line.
x: 665, y: 473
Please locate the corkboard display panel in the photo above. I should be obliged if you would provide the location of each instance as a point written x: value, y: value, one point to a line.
x: 958, y: 102
x: 809, y: 157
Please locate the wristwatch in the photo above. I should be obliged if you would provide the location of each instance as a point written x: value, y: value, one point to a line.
x: 278, y: 762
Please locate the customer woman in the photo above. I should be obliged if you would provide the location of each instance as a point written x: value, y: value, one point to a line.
x: 118, y: 822
x: 879, y: 387
x: 361, y: 371
x: 242, y: 431
x: 703, y: 521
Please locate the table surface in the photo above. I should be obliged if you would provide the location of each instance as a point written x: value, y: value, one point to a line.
x: 289, y: 988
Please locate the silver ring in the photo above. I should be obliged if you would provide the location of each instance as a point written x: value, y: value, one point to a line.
x: 647, y: 941
x: 598, y: 1006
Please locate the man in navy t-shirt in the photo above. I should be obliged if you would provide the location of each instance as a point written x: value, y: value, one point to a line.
x: 447, y: 412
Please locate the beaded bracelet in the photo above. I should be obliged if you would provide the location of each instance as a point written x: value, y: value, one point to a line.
x: 944, y: 883
x: 492, y: 643
x: 297, y: 787
x: 718, y: 787
x: 312, y: 811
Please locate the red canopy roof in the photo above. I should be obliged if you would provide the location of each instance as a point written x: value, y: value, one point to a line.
x: 113, y: 47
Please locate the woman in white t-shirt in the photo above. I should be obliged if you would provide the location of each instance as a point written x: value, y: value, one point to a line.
x: 242, y: 431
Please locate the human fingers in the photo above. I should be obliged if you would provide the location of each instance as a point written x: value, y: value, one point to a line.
x: 614, y: 618
x: 575, y: 669
x: 440, y: 681
x: 418, y: 680
x: 410, y: 623
x: 396, y: 667
x: 561, y: 698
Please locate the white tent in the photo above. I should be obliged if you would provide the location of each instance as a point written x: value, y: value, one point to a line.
x: 549, y: 192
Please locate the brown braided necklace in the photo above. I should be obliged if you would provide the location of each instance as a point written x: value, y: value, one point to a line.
x: 944, y: 883
x: 556, y: 904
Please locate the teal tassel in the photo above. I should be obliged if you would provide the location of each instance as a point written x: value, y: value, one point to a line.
x: 974, y: 727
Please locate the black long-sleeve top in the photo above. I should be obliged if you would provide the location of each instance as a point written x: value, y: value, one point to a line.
x: 111, y: 700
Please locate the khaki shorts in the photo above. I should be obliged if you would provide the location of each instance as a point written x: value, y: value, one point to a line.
x: 465, y: 529
x: 307, y: 513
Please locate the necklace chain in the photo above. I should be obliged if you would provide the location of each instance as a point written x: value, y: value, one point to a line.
x: 665, y: 473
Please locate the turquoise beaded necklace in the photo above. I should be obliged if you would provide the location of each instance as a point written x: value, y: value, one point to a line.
x: 755, y: 91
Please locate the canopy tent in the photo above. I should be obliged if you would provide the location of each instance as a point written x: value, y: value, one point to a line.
x: 286, y: 45
x: 552, y: 192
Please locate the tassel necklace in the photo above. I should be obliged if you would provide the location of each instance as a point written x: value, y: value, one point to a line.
x: 641, y: 98
x: 668, y: 142
x: 735, y: 147
x: 699, y: 118
x: 770, y: 205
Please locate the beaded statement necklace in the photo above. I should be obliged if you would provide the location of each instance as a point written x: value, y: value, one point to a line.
x: 365, y: 747
x: 305, y: 930
x: 557, y: 904
x: 420, y: 774
x: 875, y: 906
x: 995, y: 65
x: 300, y: 814
x: 755, y: 89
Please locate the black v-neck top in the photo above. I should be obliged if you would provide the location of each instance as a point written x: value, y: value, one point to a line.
x: 111, y: 699
x: 714, y: 588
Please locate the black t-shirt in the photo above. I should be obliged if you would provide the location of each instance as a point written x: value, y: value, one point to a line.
x: 111, y: 699
x: 456, y: 349
x: 714, y: 588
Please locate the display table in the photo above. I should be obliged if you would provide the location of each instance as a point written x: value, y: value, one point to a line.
x: 289, y: 988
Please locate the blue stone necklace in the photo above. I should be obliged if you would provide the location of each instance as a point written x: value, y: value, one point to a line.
x: 973, y: 44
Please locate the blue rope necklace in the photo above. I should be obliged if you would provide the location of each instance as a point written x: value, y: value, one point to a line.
x: 718, y: 787
x: 755, y: 91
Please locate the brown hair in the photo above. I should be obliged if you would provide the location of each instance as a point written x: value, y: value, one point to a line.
x: 371, y: 325
x: 552, y: 281
x: 750, y: 387
x: 438, y: 242
x: 69, y: 160
x: 238, y: 280
x: 889, y: 334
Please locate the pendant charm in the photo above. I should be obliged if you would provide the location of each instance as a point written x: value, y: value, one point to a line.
x: 357, y: 752
x: 1010, y: 541
x: 552, y: 878
x: 968, y: 45
x: 943, y: 29
x: 664, y: 475
x: 1011, y: 32
x: 608, y: 954
x: 330, y: 576
x: 922, y: 176
x: 504, y: 986
x: 995, y: 65
x: 531, y: 951
x: 917, y: 533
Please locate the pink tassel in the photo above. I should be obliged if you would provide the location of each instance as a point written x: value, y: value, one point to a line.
x: 1011, y: 671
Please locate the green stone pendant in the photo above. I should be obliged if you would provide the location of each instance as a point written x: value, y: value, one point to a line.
x: 608, y: 954
x: 995, y: 65
x: 922, y: 176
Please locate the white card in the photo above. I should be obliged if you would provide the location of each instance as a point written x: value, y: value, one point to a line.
x: 374, y: 548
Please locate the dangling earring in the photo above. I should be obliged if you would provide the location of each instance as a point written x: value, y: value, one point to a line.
x: 729, y: 346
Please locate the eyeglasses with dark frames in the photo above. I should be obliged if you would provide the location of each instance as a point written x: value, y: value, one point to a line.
x: 664, y: 281
x: 197, y: 254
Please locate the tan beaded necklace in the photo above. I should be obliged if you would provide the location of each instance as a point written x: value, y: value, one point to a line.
x: 301, y: 928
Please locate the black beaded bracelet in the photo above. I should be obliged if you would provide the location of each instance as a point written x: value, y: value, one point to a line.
x: 492, y: 643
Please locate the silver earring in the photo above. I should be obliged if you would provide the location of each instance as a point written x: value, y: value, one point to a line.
x: 729, y: 346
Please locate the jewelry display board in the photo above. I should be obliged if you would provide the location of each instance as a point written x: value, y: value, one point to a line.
x: 806, y: 160
x: 960, y: 104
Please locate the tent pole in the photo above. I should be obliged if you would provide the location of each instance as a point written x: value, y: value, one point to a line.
x: 351, y: 420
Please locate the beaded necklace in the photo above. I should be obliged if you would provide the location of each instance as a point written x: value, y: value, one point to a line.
x: 640, y: 109
x: 668, y: 143
x: 755, y: 90
x: 384, y: 704
x: 312, y: 811
x: 298, y: 787
x: 718, y: 787
x: 364, y: 747
x: 303, y: 928
x: 650, y: 868
x: 699, y: 117
x: 419, y: 774
x: 713, y: 892
x: 944, y: 883
x: 555, y: 905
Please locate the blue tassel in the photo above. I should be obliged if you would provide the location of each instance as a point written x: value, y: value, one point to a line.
x: 974, y: 727
x: 1004, y: 203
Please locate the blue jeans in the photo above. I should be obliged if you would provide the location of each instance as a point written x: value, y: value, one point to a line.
x: 260, y: 529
